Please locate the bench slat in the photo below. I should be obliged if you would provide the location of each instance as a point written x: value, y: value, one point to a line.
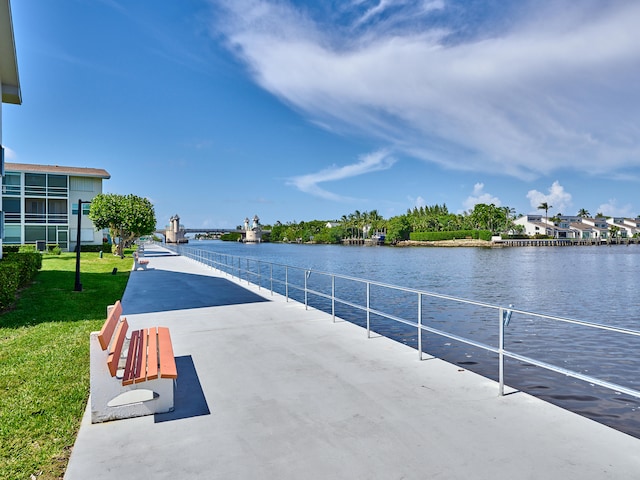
x: 132, y: 358
x: 144, y: 357
x: 152, y: 353
x: 165, y: 352
x: 110, y: 325
x: 114, y: 355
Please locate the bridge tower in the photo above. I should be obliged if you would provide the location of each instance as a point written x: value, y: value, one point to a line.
x: 253, y: 235
x: 175, y: 233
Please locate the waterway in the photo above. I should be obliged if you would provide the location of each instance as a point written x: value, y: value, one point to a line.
x: 591, y: 283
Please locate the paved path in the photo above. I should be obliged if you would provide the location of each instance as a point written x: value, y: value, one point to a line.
x: 268, y: 390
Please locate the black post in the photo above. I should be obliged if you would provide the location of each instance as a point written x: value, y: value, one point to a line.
x: 78, y: 287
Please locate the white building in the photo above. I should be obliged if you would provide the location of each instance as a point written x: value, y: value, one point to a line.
x: 535, y: 225
x: 40, y: 204
x: 628, y: 226
x: 599, y: 226
x: 9, y: 81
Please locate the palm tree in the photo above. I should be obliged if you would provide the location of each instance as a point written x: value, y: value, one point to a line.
x: 545, y: 206
x: 583, y: 213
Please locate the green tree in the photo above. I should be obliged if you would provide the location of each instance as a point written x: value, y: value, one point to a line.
x: 398, y: 228
x: 489, y: 217
x: 126, y: 216
x: 614, y: 230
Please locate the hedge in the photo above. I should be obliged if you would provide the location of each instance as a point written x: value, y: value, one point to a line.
x: 105, y: 247
x: 9, y: 281
x: 6, y: 249
x: 454, y: 235
x: 16, y: 271
x: 230, y: 237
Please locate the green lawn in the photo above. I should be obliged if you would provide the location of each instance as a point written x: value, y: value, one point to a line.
x: 44, y: 361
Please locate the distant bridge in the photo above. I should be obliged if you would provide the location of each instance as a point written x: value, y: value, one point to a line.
x: 217, y: 230
x: 176, y: 233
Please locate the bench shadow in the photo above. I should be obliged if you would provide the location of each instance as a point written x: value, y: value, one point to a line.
x: 161, y: 291
x: 189, y: 399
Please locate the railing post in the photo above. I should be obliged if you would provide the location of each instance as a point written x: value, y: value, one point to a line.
x: 271, y: 278
x: 286, y: 282
x: 333, y: 297
x: 420, y: 326
x: 306, y: 303
x: 259, y: 275
x: 368, y: 310
x: 501, y: 351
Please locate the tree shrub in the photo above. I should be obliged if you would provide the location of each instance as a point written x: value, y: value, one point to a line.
x: 16, y: 271
x: 230, y: 237
x: 9, y: 281
x: 28, y: 263
x: 105, y: 247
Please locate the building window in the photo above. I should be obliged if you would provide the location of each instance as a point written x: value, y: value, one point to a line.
x: 35, y: 184
x: 33, y: 233
x: 11, y: 208
x: 57, y: 185
x: 34, y: 210
x: 11, y: 184
x: 85, y: 208
x: 12, y: 234
x: 57, y: 211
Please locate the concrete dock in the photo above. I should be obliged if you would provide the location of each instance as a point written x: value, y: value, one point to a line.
x: 269, y: 390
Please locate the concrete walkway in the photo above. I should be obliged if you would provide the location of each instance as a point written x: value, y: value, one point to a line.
x: 268, y: 390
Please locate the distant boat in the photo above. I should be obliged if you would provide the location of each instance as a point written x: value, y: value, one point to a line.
x: 378, y: 238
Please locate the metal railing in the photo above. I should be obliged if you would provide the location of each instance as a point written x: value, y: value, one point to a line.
x: 288, y: 280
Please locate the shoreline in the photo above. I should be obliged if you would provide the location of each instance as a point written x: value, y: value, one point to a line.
x: 446, y: 243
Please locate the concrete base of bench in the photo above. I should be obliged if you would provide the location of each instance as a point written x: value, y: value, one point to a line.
x: 111, y: 400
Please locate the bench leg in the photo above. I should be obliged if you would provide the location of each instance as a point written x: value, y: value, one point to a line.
x: 120, y: 402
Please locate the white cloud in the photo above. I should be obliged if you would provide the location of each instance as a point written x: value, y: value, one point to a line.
x: 9, y: 154
x: 416, y: 202
x: 409, y: 7
x: 612, y: 209
x: 373, y: 162
x: 480, y: 196
x: 556, y: 89
x: 557, y: 198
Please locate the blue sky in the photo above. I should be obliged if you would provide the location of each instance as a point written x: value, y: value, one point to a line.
x: 298, y: 110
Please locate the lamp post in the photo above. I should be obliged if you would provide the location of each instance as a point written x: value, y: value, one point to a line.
x: 78, y: 286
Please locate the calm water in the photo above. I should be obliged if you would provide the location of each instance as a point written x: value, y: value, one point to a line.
x: 596, y: 284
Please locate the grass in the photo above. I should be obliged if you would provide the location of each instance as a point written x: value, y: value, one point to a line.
x: 44, y: 361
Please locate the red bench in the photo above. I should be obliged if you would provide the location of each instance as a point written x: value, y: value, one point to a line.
x: 130, y: 377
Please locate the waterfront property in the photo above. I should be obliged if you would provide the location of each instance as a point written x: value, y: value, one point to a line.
x: 40, y: 204
x: 576, y: 227
x: 9, y: 82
